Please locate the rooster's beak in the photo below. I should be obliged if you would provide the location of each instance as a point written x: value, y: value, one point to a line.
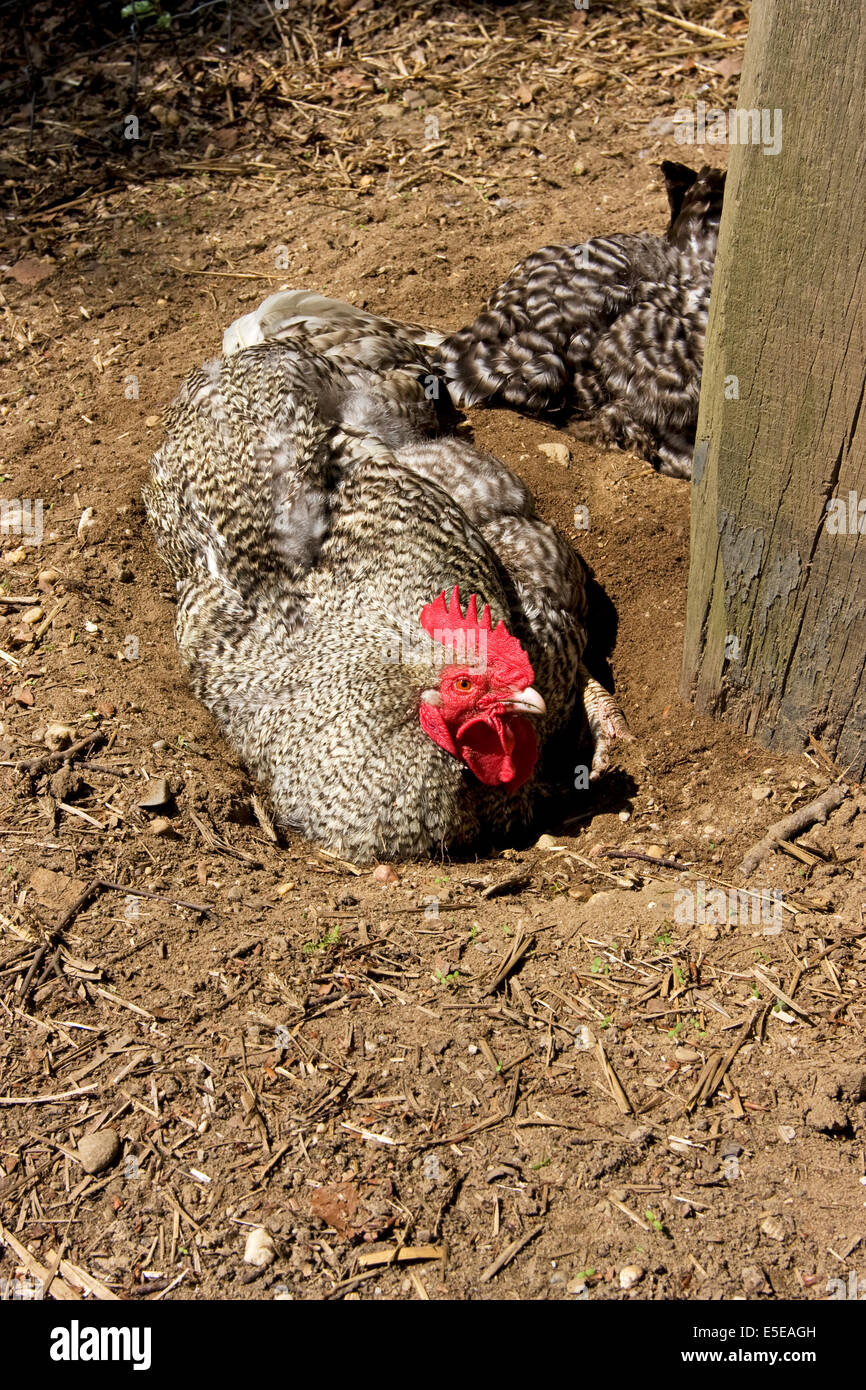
x: 526, y: 701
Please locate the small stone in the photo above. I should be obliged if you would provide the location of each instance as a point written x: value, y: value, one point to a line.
x: 630, y: 1275
x: 32, y: 616
x: 755, y: 1280
x: 731, y: 1150
x: 58, y: 736
x: 106, y: 709
x: 383, y: 873
x: 761, y: 793
x: 98, y: 1151
x: 151, y: 422
x: 624, y: 816
x: 556, y: 452
x: 87, y: 522
x: 47, y: 577
x: 655, y: 851
x: 787, y: 1133
x: 687, y: 1054
x: 159, y: 746
x: 156, y: 795
x: 773, y: 1227
x: 259, y: 1249
x: 161, y: 825
x: 642, y: 1135
x: 578, y: 168
x: 235, y: 894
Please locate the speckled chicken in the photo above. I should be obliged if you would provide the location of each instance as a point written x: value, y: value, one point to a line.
x: 609, y: 333
x: 385, y: 630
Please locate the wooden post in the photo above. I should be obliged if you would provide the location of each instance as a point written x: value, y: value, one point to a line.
x: 776, y: 621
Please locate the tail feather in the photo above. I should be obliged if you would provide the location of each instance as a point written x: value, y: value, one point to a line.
x: 696, y: 210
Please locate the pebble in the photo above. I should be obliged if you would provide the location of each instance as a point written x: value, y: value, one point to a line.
x: 687, y: 1054
x: 58, y: 736
x: 259, y: 1249
x: 235, y: 894
x: 161, y: 825
x: 156, y: 795
x: 556, y: 452
x: 624, y: 816
x: 630, y: 1275
x: 773, y: 1227
x: 98, y: 1151
x: 383, y: 873
x: 159, y: 746
x: 755, y: 1280
x: 787, y: 1133
x: 761, y: 793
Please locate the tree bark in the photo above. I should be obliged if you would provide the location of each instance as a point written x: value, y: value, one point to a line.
x: 776, y: 621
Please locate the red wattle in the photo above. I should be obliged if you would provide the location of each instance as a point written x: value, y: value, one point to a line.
x: 499, y: 752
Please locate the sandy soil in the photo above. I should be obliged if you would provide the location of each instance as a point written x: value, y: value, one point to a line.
x: 537, y: 1070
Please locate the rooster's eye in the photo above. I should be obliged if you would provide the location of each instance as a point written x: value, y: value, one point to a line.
x: 463, y: 683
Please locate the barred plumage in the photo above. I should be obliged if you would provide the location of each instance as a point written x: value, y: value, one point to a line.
x: 311, y: 514
x: 609, y: 333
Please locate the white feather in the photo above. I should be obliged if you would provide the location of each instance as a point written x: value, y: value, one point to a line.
x: 289, y: 309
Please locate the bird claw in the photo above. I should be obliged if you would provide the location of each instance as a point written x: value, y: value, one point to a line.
x: 607, y: 723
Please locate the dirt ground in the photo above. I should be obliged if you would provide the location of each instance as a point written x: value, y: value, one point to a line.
x: 548, y: 1074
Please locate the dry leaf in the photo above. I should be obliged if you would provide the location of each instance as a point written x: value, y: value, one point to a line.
x: 30, y: 271
x: 729, y: 67
x: 336, y: 1206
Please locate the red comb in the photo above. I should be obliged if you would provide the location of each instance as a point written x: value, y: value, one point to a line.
x: 445, y: 621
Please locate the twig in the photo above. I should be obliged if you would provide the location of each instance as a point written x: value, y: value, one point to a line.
x: 687, y: 25
x: 786, y: 829
x: 401, y: 1254
x: 508, y: 1254
x: 63, y: 755
x: 780, y: 994
x: 522, y: 944
x: 614, y: 1084
x: 715, y: 1068
x: 46, y: 1100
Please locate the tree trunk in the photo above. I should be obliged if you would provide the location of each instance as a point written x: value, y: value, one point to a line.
x: 776, y: 622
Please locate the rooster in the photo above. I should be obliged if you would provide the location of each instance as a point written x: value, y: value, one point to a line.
x: 609, y: 333
x: 387, y: 633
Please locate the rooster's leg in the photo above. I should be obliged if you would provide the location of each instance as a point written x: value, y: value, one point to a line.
x: 606, y: 723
